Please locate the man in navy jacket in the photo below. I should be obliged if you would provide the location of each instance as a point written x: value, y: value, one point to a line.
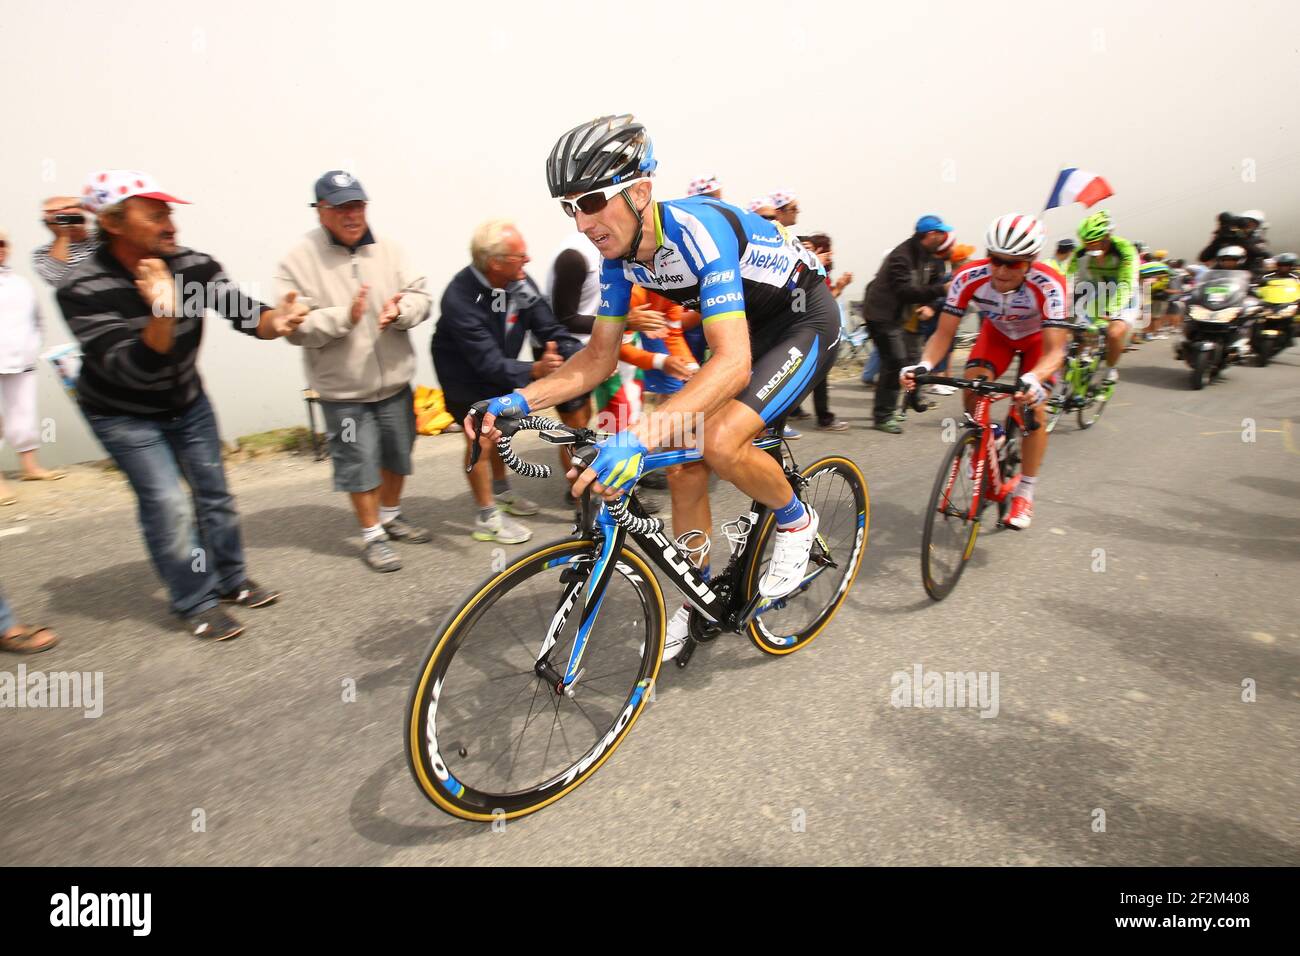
x: 487, y: 312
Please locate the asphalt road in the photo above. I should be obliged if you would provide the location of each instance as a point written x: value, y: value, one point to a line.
x: 1120, y: 690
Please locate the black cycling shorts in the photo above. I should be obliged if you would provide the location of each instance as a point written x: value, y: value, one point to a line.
x: 789, y: 359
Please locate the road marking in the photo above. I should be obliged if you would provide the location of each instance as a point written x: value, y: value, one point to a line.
x: 10, y: 532
x: 1258, y: 431
x: 1288, y: 439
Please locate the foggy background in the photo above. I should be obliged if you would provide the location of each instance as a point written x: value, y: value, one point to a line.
x: 872, y: 115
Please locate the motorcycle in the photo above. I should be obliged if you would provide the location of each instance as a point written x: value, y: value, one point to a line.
x: 1273, y: 330
x: 1216, y: 330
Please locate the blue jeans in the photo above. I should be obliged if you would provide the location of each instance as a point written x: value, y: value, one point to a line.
x: 199, y: 559
x: 872, y: 368
x: 6, y: 615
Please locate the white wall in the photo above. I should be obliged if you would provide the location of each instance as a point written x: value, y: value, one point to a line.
x: 871, y: 113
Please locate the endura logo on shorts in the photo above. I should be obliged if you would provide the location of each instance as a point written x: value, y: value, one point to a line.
x: 792, y: 363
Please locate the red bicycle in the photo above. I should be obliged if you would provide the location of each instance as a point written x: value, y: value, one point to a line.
x: 982, y: 465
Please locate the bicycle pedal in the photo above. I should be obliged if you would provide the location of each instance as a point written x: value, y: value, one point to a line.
x: 684, y: 655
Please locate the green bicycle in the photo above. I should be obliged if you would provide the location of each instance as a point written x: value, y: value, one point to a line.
x: 1076, y: 388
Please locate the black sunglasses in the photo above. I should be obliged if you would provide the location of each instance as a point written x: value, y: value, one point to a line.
x: 1007, y: 263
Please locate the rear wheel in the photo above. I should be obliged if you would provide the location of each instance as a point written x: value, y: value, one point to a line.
x: 949, y: 532
x: 837, y: 491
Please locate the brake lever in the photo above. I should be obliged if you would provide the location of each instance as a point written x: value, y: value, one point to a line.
x: 476, y: 449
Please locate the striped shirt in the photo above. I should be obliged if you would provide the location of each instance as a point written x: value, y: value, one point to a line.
x: 120, y: 375
x: 53, y: 270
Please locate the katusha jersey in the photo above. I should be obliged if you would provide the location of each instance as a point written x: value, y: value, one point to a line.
x: 718, y: 260
x: 1037, y: 303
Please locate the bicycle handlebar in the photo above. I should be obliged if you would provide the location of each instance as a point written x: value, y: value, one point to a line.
x: 584, y: 456
x: 981, y: 385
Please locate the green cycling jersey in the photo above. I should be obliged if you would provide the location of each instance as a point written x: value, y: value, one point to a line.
x: 1107, y: 285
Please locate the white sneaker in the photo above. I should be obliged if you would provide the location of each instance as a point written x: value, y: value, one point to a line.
x: 500, y: 529
x: 789, y: 559
x: 516, y: 504
x: 678, y: 630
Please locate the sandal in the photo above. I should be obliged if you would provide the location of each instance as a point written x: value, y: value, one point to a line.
x: 27, y: 641
x: 46, y: 476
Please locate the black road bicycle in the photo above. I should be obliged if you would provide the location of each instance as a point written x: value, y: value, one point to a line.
x: 536, y: 678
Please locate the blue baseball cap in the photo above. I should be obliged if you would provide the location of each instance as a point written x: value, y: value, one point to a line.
x: 337, y: 187
x: 932, y: 223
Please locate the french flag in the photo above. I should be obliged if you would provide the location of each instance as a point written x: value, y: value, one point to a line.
x: 1078, y: 185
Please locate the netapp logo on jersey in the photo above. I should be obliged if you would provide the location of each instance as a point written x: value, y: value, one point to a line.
x: 767, y: 260
x: 716, y: 277
x: 103, y: 909
x: 728, y: 297
x: 790, y: 365
x: 670, y: 277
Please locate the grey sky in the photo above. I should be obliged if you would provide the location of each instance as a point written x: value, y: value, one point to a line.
x: 871, y: 114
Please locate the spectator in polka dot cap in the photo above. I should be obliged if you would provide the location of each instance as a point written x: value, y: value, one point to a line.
x: 138, y: 308
x: 763, y: 207
x: 706, y: 185
x: 785, y: 207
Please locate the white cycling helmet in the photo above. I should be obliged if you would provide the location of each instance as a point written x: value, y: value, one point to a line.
x: 1231, y: 252
x: 1015, y: 234
x: 1255, y: 214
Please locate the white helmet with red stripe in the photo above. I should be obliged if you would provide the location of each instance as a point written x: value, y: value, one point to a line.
x: 1015, y: 234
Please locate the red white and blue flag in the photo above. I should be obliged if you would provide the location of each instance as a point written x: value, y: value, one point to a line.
x: 1078, y: 185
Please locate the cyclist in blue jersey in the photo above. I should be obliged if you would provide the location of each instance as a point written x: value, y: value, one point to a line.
x: 772, y: 326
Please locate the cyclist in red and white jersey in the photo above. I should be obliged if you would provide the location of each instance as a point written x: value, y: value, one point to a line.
x: 1022, y: 303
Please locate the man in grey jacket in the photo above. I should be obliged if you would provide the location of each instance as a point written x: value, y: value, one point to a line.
x: 358, y: 357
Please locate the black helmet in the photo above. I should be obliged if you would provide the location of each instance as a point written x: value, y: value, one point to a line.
x: 599, y: 153
x: 1286, y: 260
x: 1066, y: 245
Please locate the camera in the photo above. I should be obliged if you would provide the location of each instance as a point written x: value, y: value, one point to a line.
x: 69, y: 219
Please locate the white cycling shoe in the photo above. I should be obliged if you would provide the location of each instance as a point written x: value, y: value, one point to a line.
x: 678, y: 630
x: 789, y: 559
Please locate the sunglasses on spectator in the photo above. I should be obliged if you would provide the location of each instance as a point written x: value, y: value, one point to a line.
x: 1007, y: 263
x: 594, y: 201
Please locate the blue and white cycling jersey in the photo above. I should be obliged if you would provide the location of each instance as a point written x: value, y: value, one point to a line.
x: 721, y: 261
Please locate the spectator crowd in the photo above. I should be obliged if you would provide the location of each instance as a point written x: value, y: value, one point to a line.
x: 347, y: 297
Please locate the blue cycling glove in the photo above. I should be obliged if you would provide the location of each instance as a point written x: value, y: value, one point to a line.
x: 513, y: 405
x: 619, y: 461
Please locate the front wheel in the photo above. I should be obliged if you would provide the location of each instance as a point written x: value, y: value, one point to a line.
x: 952, y: 518
x: 1200, y: 363
x: 1262, y: 352
x: 1095, y: 402
x: 837, y: 491
x: 487, y: 738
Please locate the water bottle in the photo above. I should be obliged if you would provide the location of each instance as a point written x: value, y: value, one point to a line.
x: 999, y: 437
